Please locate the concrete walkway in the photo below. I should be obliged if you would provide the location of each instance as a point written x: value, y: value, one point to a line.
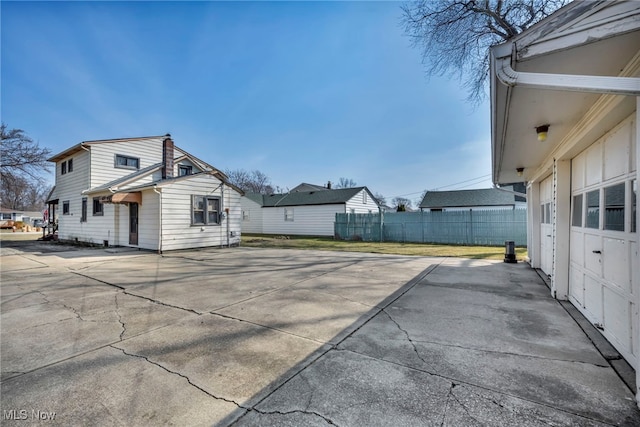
x: 265, y: 337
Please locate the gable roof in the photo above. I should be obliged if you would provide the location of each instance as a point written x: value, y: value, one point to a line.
x: 306, y: 198
x: 467, y: 198
x: 308, y: 187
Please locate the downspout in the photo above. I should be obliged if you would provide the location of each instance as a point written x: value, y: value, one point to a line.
x: 159, y: 193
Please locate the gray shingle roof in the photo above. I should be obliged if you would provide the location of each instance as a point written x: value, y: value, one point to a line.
x: 302, y: 198
x: 467, y: 198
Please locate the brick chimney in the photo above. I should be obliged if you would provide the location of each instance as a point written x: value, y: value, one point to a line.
x: 167, y: 157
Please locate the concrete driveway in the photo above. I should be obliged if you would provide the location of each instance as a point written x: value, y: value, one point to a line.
x: 261, y: 337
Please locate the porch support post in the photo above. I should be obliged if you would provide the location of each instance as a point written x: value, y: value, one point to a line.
x: 533, y: 224
x: 562, y: 229
x: 636, y: 263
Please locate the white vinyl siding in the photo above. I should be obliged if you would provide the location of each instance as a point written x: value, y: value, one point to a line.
x: 252, y: 222
x: 314, y: 220
x: 177, y: 229
x: 69, y: 187
x: 103, y: 170
x: 362, y: 202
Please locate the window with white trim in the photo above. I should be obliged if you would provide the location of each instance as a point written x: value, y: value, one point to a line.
x: 65, y: 207
x: 288, y: 214
x: 205, y: 210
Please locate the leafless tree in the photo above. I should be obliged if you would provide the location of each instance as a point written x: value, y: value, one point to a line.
x: 251, y: 182
x: 345, y: 183
x: 455, y: 35
x: 21, y: 156
x: 380, y: 198
x: 401, y: 204
x: 18, y: 193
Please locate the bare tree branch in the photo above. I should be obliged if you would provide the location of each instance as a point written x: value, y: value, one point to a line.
x: 21, y: 156
x: 455, y: 35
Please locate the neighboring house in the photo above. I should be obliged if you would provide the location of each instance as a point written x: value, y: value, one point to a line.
x: 564, y: 117
x: 16, y: 215
x: 481, y: 199
x: 144, y: 193
x: 303, y: 212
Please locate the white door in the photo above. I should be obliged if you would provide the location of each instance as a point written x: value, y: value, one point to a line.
x: 546, y: 225
x: 603, y: 276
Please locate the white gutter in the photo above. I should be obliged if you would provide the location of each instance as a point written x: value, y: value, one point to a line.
x: 569, y: 82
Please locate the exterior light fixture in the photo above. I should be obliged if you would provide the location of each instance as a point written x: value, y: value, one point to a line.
x: 520, y: 171
x: 542, y: 132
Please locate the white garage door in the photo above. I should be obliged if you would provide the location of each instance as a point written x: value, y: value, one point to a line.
x: 546, y: 228
x: 603, y: 279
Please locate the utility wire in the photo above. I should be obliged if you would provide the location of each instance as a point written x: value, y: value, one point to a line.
x: 481, y: 178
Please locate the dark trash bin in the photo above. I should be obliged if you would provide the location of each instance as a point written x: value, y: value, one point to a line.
x: 510, y: 251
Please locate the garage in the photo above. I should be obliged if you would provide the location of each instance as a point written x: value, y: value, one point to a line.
x: 566, y: 125
x: 602, y: 279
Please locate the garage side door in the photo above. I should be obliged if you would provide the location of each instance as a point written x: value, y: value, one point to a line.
x: 603, y: 275
x: 546, y: 227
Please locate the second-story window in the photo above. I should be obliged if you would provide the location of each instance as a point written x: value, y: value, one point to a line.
x: 184, y: 170
x: 63, y: 168
x: 70, y: 165
x: 127, y: 162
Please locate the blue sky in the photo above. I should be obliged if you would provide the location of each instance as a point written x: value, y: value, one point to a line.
x: 302, y: 91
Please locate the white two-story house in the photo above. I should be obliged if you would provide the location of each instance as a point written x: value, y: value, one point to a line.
x: 144, y: 193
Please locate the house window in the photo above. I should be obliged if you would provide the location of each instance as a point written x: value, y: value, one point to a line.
x: 205, y: 210
x: 83, y: 216
x: 576, y: 219
x: 288, y: 214
x: 614, y: 207
x: 63, y: 168
x: 70, y: 165
x: 126, y: 162
x: 593, y: 209
x: 184, y: 170
x: 245, y: 216
x: 98, y: 207
x: 364, y: 197
x: 65, y: 207
x: 542, y: 214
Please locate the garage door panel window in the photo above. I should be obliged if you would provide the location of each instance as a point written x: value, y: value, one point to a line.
x: 614, y: 207
x: 576, y: 219
x: 593, y: 209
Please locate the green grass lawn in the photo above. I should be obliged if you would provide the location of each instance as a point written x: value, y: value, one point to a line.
x: 418, y: 249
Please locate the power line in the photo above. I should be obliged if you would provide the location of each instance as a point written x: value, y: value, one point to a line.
x: 447, y: 186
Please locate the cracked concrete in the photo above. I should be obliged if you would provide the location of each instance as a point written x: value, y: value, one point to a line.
x: 266, y: 337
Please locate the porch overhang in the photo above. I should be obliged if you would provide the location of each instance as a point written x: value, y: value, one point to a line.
x: 122, y: 198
